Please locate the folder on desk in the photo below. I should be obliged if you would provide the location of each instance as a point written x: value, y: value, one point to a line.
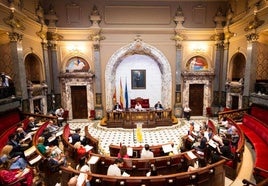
x: 212, y: 143
x: 191, y: 137
x: 167, y: 148
x: 35, y: 160
x: 52, y: 138
x: 88, y: 148
x: 130, y: 151
x: 59, y: 133
x: 29, y: 151
x: 93, y: 160
x: 191, y: 155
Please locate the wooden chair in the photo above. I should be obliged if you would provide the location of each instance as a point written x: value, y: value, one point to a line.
x: 209, y: 112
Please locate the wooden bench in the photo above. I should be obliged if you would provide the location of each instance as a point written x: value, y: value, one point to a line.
x: 156, y: 149
x: 209, y: 175
x: 257, y: 133
x: 232, y: 167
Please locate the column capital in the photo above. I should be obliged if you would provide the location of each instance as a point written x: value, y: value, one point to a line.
x: 44, y: 45
x: 252, y: 37
x: 15, y: 37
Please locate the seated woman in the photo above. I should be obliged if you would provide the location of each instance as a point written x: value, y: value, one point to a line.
x: 41, y: 147
x: 123, y: 152
x: 138, y: 107
x: 8, y: 176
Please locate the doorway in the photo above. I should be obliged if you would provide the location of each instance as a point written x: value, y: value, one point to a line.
x: 196, y: 97
x: 79, y: 102
x: 235, y: 101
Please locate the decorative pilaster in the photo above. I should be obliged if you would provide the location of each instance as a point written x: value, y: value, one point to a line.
x: 54, y: 67
x: 47, y: 66
x: 95, y: 36
x: 18, y: 65
x: 250, y: 71
x: 178, y: 38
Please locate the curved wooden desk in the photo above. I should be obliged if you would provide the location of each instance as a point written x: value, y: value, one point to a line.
x: 149, y: 117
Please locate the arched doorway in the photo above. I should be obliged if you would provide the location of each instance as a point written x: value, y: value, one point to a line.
x: 235, y: 81
x: 33, y: 69
x: 37, y: 88
x: 237, y: 67
x: 138, y: 47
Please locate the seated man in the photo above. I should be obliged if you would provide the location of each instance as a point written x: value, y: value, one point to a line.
x: 114, y: 169
x: 75, y: 137
x: 146, y: 153
x: 158, y: 107
x: 59, y: 112
x: 32, y: 125
x: 117, y: 111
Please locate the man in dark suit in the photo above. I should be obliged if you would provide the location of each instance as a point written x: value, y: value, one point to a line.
x: 117, y: 111
x: 158, y: 107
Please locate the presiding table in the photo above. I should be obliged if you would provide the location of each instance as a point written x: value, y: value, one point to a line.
x: 148, y: 117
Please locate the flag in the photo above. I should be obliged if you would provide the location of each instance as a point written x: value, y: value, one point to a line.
x: 126, y: 95
x: 121, y: 95
x: 114, y: 96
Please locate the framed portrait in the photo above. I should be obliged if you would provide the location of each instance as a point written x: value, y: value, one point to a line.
x: 138, y: 79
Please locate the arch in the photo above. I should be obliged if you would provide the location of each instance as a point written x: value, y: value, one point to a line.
x: 138, y: 47
x: 77, y: 64
x: 237, y: 67
x: 66, y: 59
x: 33, y: 68
x: 197, y: 63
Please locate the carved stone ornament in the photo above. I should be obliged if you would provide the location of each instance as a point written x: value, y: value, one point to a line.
x: 13, y: 22
x: 254, y: 24
x: 14, y: 36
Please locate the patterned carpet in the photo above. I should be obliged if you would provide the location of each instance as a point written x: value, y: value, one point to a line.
x: 152, y: 136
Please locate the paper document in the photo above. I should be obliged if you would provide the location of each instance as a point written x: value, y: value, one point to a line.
x: 212, y: 143
x: 167, y: 148
x: 93, y: 160
x: 36, y: 159
x: 191, y: 155
x: 125, y: 174
x: 130, y: 151
x: 59, y: 133
x: 29, y: 151
x: 191, y: 137
x: 88, y: 148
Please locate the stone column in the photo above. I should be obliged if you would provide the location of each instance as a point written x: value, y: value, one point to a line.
x: 178, y: 106
x: 46, y: 66
x: 98, y: 83
x: 54, y: 68
x: 250, y: 71
x: 18, y: 65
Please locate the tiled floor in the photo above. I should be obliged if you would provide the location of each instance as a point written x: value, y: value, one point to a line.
x: 152, y: 136
x: 159, y: 135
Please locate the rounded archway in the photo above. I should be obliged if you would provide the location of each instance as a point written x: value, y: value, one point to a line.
x: 237, y: 67
x: 33, y: 68
x: 138, y: 47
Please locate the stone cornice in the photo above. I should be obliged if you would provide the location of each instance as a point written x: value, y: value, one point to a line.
x: 198, y: 75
